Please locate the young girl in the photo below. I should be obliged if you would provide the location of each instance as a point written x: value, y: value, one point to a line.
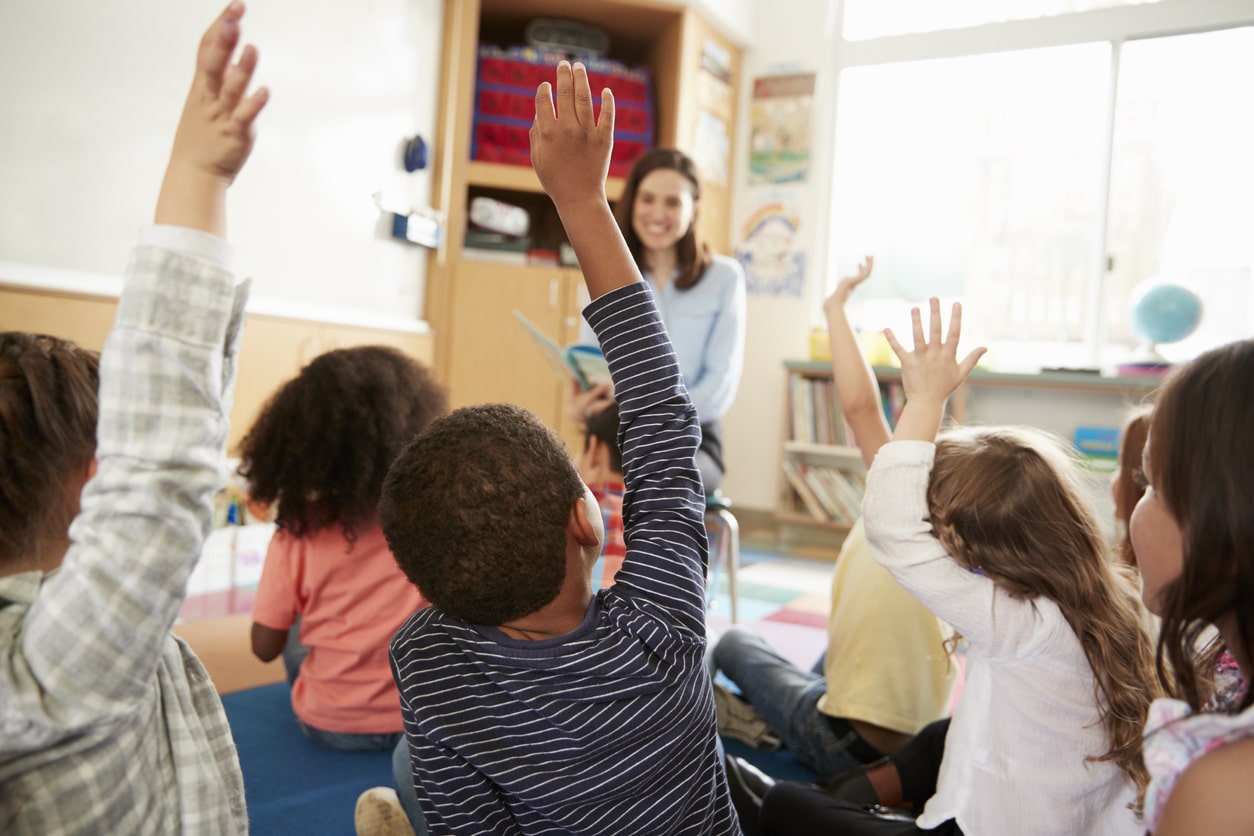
x: 1193, y: 531
x: 320, y: 450
x: 988, y: 528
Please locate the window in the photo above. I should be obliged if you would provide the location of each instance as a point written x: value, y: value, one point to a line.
x: 1042, y: 185
x: 877, y: 18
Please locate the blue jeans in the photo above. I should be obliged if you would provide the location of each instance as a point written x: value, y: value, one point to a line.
x: 787, y: 698
x: 294, y: 654
x: 403, y: 776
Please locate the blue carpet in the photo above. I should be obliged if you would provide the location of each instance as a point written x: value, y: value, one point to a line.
x: 782, y: 765
x: 294, y: 787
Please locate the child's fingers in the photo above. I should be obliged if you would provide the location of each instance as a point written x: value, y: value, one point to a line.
x: 916, y: 322
x: 218, y: 44
x: 247, y: 112
x: 582, y: 96
x: 544, y: 109
x: 606, y: 125
x: 565, y: 91
x: 238, y: 78
x: 934, y: 323
x: 955, y: 325
x: 968, y: 363
x: 897, y: 347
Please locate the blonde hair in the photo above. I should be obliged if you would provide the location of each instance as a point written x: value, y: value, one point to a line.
x: 1007, y: 501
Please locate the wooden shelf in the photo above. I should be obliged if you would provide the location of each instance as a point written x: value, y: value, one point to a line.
x: 519, y: 178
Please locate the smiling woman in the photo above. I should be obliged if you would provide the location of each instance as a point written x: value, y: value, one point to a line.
x: 701, y: 295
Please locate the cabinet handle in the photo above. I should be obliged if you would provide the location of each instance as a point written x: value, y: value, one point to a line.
x: 552, y: 293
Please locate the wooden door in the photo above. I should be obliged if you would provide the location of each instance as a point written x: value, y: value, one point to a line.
x: 491, y: 357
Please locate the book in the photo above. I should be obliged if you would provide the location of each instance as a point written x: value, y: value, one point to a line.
x: 582, y: 363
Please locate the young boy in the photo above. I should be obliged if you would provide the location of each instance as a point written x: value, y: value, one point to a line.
x: 109, y: 724
x: 601, y: 467
x: 530, y: 705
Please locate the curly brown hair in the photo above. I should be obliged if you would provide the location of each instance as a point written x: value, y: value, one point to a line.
x: 475, y: 511
x: 693, y: 254
x: 1201, y: 454
x: 325, y: 440
x: 1007, y: 501
x: 49, y: 402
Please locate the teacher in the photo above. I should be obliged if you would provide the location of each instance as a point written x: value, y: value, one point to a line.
x: 701, y: 295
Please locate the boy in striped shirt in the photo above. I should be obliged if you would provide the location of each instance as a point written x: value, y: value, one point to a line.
x: 532, y: 706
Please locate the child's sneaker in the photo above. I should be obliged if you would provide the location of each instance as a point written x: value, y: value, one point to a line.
x: 738, y: 719
x: 379, y: 813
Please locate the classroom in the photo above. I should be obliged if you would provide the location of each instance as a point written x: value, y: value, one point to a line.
x: 1075, y: 174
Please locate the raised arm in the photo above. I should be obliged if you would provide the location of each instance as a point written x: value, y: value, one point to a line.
x: 571, y: 156
x: 215, y: 134
x: 856, y: 386
x: 95, y: 633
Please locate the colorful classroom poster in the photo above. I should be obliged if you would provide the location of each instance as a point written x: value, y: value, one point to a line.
x: 769, y: 252
x: 779, y: 138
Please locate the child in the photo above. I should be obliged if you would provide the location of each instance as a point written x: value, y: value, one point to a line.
x: 530, y: 704
x: 601, y: 466
x: 109, y: 724
x: 988, y: 528
x: 320, y: 450
x: 885, y: 673
x: 1192, y: 531
x: 1127, y: 484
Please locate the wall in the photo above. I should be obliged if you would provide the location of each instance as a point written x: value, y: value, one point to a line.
x: 778, y: 325
x: 91, y: 93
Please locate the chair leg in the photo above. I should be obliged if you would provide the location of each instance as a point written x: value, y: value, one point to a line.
x: 728, y: 552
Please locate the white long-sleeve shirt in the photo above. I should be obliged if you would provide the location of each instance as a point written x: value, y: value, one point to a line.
x: 1015, y: 756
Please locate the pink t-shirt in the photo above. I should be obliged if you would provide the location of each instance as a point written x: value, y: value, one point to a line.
x: 350, y: 603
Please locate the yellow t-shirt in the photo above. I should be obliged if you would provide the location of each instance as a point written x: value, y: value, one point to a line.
x: 886, y: 662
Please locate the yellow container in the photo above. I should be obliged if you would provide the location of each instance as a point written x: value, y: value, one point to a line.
x: 820, y: 348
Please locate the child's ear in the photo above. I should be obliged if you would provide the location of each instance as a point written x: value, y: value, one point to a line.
x: 586, y: 524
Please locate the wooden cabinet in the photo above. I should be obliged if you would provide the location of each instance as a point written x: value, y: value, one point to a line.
x: 481, y: 352
x: 273, y: 350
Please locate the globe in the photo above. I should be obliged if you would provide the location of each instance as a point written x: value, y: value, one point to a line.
x: 1165, y: 313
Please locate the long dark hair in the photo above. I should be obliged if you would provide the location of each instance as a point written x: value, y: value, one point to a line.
x: 1201, y: 455
x: 692, y: 254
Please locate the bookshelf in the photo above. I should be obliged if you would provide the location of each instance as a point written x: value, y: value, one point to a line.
x: 822, y: 469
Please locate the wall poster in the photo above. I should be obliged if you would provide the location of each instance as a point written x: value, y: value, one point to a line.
x: 779, y: 133
x: 769, y: 250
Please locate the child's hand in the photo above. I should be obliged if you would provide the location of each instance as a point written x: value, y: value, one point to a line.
x: 838, y: 297
x: 931, y: 372
x: 583, y: 405
x: 215, y: 133
x: 570, y: 150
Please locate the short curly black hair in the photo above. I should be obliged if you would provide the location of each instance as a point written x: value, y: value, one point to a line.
x: 325, y: 440
x: 475, y: 511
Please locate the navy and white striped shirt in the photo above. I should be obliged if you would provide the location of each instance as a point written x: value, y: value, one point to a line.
x: 610, y: 728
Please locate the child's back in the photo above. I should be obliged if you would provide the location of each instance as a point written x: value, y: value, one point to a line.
x: 530, y: 705
x: 320, y: 450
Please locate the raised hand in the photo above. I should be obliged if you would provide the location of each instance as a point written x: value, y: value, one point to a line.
x: 838, y: 297
x: 931, y: 371
x: 570, y: 149
x: 216, y: 131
